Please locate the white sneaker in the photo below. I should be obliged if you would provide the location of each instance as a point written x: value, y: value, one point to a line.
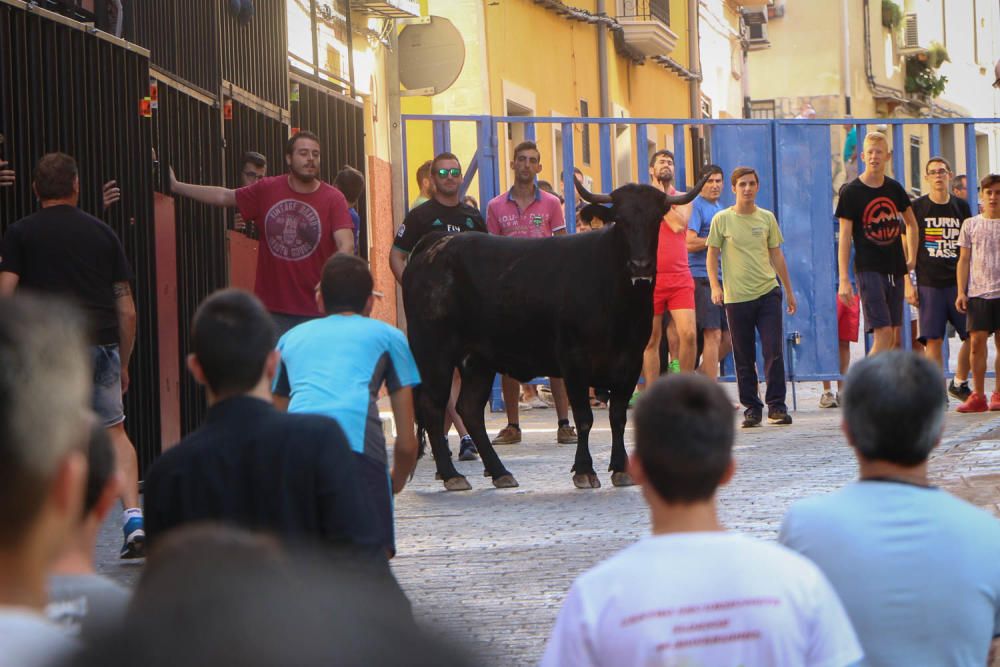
x: 537, y: 402
x: 829, y: 400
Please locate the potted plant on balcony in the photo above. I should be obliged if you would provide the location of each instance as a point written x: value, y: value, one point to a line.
x: 922, y: 78
x: 892, y: 15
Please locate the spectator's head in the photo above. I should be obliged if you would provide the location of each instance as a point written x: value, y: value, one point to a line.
x: 45, y: 417
x: 424, y: 179
x: 938, y: 173
x: 876, y: 152
x: 712, y: 189
x: 252, y: 168
x: 446, y: 171
x: 57, y: 179
x: 212, y: 594
x: 989, y: 195
x: 545, y: 186
x: 746, y: 183
x: 302, y: 154
x: 894, y: 406
x: 661, y: 166
x: 346, y: 286
x: 683, y: 440
x: 470, y: 201
x: 959, y: 186
x: 351, y: 182
x: 232, y: 344
x: 526, y: 162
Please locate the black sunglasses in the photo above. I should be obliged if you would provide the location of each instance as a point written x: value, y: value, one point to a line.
x: 445, y: 173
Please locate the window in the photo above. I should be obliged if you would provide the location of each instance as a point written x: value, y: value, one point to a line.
x: 915, y: 165
x: 762, y: 109
x: 585, y: 144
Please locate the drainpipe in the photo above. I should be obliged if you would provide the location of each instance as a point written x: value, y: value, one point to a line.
x: 694, y: 65
x: 602, y: 62
x: 845, y: 48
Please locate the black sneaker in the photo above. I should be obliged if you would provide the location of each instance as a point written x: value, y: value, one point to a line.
x: 779, y: 417
x: 750, y: 419
x: 959, y: 391
x: 467, y: 450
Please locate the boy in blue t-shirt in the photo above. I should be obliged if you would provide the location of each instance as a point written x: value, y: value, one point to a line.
x: 336, y: 366
x: 351, y: 183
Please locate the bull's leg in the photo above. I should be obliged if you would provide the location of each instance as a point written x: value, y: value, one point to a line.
x: 477, y: 382
x: 431, y: 403
x: 584, y: 475
x: 618, y: 416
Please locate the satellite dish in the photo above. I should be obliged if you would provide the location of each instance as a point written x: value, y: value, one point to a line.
x: 431, y: 55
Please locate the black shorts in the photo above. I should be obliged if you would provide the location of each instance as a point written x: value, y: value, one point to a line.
x: 983, y: 314
x: 376, y: 483
x: 937, y: 310
x: 707, y: 314
x: 881, y: 299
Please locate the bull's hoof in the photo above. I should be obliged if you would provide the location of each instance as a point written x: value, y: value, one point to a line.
x: 586, y: 481
x: 505, y: 482
x: 457, y: 483
x: 622, y: 479
x: 437, y: 476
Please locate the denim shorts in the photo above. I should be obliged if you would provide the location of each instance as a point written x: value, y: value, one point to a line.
x: 107, y: 398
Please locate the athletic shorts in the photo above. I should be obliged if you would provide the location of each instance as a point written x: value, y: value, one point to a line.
x: 707, y: 314
x: 984, y: 314
x: 937, y: 309
x: 881, y: 299
x: 673, y: 292
x: 107, y: 393
x: 848, y: 320
x: 376, y: 482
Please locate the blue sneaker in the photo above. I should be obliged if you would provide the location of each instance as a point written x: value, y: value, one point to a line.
x: 135, y: 539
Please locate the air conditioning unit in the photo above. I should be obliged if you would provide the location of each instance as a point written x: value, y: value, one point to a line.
x: 914, y: 39
x: 755, y: 24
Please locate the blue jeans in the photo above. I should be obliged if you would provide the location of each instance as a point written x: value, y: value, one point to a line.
x: 107, y: 396
x: 764, y: 315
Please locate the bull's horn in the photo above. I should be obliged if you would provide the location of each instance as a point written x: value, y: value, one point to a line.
x: 590, y: 196
x: 680, y: 200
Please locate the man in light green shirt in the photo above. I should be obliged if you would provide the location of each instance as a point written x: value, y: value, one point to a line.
x: 749, y: 242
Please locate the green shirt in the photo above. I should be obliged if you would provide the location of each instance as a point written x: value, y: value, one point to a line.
x: 744, y: 242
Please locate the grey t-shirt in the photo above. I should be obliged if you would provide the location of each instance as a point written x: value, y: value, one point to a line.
x: 87, y: 605
x: 28, y: 640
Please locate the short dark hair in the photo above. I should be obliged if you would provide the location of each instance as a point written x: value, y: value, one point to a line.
x: 346, y: 284
x: 351, y: 182
x: 100, y: 467
x: 958, y: 178
x: 740, y: 172
x: 684, y: 428
x: 444, y: 156
x: 424, y: 171
x: 254, y: 158
x: 662, y: 151
x: 301, y: 134
x: 526, y: 146
x: 710, y: 169
x: 227, y: 316
x: 989, y: 180
x: 937, y: 158
x: 54, y: 176
x: 894, y: 405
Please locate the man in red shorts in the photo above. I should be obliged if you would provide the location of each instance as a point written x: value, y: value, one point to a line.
x: 674, y: 290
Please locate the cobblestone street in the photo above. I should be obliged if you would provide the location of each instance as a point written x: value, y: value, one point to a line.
x: 490, y: 567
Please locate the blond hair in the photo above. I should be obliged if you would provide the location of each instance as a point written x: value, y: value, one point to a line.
x: 876, y: 136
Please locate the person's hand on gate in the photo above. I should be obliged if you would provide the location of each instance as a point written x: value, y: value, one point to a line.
x: 110, y: 194
x: 7, y: 176
x: 962, y: 303
x: 846, y: 293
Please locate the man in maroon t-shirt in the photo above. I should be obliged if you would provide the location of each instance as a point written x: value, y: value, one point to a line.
x: 301, y: 220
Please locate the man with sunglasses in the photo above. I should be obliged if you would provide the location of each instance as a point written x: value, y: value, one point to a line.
x: 940, y: 216
x: 444, y: 212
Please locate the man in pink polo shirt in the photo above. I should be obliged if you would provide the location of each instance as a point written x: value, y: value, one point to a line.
x: 526, y: 211
x: 302, y: 221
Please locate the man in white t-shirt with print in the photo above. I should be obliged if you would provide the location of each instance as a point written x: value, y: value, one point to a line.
x: 692, y: 593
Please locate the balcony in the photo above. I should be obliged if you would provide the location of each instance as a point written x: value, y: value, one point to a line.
x: 749, y: 4
x: 645, y: 26
x: 389, y: 9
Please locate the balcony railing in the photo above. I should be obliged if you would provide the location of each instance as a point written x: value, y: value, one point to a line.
x: 646, y: 26
x: 646, y: 10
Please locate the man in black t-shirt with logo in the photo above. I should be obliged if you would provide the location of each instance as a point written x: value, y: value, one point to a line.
x: 939, y: 217
x: 443, y: 212
x: 62, y: 250
x: 872, y: 211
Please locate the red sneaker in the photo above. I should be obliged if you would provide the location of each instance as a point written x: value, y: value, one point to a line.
x: 975, y: 403
x: 995, y: 400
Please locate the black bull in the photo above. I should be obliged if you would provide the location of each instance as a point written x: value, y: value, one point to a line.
x: 577, y: 307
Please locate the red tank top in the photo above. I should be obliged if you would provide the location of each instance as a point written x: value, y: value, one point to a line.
x: 671, y: 251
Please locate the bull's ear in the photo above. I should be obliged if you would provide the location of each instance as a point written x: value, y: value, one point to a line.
x: 591, y: 211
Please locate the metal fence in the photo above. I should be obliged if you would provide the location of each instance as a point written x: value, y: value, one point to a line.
x: 254, y: 55
x: 65, y: 89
